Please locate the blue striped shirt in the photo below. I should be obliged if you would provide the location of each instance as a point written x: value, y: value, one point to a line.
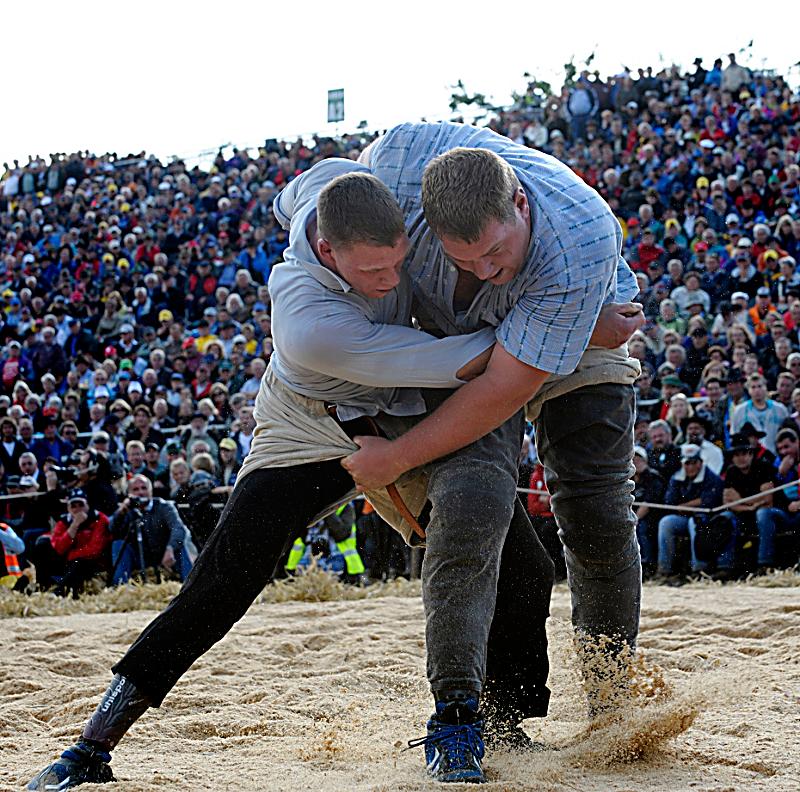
x: 545, y: 316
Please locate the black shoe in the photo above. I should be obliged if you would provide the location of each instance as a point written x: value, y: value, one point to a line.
x: 508, y: 736
x: 80, y: 764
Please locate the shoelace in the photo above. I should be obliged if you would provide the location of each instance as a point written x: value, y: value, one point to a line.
x: 462, y: 739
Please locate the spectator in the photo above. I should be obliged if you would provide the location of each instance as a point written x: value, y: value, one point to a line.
x: 745, y: 477
x: 77, y: 548
x: 694, y: 486
x: 543, y: 521
x: 649, y: 488
x: 764, y: 414
x: 228, y: 465
x: 198, y: 433
x: 147, y: 532
x: 52, y: 445
x: 696, y: 428
x: 11, y: 449
x: 663, y: 456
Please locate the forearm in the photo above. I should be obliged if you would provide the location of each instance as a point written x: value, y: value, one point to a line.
x: 471, y: 412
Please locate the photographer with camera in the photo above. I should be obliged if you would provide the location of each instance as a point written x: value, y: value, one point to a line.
x: 75, y: 550
x: 93, y: 475
x: 147, y: 532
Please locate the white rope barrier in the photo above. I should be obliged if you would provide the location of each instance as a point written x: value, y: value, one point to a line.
x: 660, y: 506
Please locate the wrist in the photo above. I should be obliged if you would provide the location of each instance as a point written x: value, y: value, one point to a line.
x: 403, y: 457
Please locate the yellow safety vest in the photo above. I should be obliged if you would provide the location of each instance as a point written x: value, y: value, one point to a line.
x: 295, y: 554
x: 347, y: 547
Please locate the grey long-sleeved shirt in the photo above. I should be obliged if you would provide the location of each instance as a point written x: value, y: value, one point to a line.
x: 335, y: 345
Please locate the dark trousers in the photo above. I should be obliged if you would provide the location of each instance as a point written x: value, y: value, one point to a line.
x: 585, y: 442
x: 268, y: 509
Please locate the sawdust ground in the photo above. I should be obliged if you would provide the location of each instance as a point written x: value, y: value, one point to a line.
x: 323, y: 695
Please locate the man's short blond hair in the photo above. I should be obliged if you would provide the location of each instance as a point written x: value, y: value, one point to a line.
x: 464, y: 189
x: 358, y: 208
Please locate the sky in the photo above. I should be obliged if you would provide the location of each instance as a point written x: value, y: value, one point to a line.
x: 179, y: 78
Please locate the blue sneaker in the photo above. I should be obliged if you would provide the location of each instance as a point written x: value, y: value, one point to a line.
x: 80, y: 764
x: 454, y: 744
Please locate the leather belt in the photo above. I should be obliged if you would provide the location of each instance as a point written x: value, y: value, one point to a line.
x: 366, y: 425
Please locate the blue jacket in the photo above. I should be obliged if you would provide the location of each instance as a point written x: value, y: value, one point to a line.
x: 705, y: 485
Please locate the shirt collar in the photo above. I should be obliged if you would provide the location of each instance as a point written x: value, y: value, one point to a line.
x: 328, y: 278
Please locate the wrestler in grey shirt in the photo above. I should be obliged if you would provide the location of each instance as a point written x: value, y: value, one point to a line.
x: 335, y: 345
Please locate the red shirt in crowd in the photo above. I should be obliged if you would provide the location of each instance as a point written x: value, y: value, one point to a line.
x: 538, y: 506
x: 90, y: 541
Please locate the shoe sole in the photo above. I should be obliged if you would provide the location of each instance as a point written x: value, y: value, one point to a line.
x: 461, y: 776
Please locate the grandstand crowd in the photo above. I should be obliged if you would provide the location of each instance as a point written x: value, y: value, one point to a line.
x: 135, y: 328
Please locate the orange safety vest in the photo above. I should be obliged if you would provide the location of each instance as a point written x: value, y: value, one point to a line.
x: 12, y: 565
x: 12, y: 562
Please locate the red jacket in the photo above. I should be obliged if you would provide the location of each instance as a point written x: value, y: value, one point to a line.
x: 536, y: 506
x: 90, y: 541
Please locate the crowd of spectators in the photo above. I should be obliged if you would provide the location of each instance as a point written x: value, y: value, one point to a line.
x: 135, y: 323
x: 703, y: 171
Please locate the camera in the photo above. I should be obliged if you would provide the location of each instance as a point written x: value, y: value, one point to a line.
x: 139, y: 503
x: 65, y: 475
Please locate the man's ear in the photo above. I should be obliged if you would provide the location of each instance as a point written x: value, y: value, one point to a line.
x: 521, y: 202
x: 325, y: 252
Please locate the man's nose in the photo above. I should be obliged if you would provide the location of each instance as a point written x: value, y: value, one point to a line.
x: 484, y: 268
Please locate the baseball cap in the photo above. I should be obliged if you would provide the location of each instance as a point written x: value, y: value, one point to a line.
x: 126, y: 328
x: 690, y: 451
x: 165, y: 316
x: 102, y: 392
x: 702, y: 181
x: 763, y: 291
x: 740, y: 296
x: 228, y: 442
x: 640, y: 452
x: 135, y: 386
x: 731, y: 218
x: 672, y: 379
x: 77, y: 495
